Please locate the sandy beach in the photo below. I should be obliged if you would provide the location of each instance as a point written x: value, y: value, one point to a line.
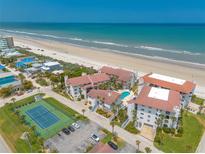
x: 97, y: 58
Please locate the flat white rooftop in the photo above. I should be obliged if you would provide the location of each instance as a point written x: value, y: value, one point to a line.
x: 158, y: 93
x: 167, y: 79
x: 51, y: 64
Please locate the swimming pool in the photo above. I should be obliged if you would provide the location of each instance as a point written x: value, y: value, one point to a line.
x: 124, y: 94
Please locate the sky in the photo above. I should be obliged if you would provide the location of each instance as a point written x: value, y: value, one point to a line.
x: 103, y: 11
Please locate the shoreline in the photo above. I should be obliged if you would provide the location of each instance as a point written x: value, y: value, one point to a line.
x: 97, y: 58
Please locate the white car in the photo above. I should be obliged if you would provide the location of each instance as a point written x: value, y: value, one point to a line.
x: 95, y: 137
x: 75, y: 125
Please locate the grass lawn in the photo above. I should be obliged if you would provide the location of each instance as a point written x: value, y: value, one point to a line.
x: 197, y: 100
x: 11, y: 127
x: 104, y: 113
x: 121, y: 117
x: 193, y: 131
x: 131, y: 128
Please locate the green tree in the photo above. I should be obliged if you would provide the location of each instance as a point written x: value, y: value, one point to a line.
x: 5, y: 92
x: 148, y: 150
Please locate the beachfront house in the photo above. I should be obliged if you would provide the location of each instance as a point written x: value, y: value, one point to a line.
x: 80, y: 86
x: 51, y: 66
x: 185, y: 88
x: 9, y: 79
x: 126, y: 78
x: 103, y: 98
x: 155, y: 107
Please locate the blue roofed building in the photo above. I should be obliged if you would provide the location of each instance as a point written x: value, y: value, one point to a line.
x: 9, y: 79
x: 25, y: 61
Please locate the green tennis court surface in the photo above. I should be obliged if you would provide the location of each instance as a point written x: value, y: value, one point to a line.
x: 47, y: 119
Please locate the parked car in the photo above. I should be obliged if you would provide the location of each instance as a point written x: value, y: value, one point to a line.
x: 71, y: 128
x: 66, y: 131
x: 112, y: 145
x: 29, y: 91
x: 95, y: 137
x: 75, y: 125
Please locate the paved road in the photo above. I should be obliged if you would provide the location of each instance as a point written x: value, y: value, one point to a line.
x: 201, y: 146
x: 3, y: 146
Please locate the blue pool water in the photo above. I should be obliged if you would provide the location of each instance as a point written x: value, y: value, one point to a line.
x: 7, y: 80
x: 124, y: 94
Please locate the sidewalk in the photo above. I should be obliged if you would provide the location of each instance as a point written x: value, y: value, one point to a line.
x: 3, y: 146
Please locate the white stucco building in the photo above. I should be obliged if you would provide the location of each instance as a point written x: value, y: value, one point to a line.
x: 127, y: 78
x: 78, y: 86
x: 185, y: 88
x: 103, y: 98
x: 152, y: 103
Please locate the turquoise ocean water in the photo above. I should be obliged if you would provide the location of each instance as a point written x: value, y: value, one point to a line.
x: 185, y: 42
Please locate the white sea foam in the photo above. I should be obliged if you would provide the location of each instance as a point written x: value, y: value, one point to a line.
x: 110, y: 43
x: 166, y: 50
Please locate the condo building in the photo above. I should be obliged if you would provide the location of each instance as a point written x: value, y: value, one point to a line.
x: 78, y: 86
x: 152, y: 104
x: 185, y: 88
x: 126, y: 78
x: 6, y: 42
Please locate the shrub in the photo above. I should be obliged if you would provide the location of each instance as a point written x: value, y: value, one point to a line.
x: 166, y: 130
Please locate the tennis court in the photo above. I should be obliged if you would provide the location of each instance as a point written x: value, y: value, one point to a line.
x: 42, y: 116
x: 47, y: 119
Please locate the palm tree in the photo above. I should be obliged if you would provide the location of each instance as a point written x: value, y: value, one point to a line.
x: 112, y: 123
x: 138, y: 145
x: 13, y: 100
x: 148, y: 150
x: 83, y: 111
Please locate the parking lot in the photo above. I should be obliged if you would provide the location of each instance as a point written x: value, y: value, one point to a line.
x: 77, y: 141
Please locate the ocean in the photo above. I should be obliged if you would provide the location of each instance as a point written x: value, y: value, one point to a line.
x: 181, y: 42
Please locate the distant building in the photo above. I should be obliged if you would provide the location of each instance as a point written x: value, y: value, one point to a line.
x: 6, y: 42
x: 51, y: 66
x: 10, y: 52
x: 78, y: 86
x: 103, y: 98
x: 127, y: 78
x: 9, y: 79
x: 185, y: 88
x: 153, y: 102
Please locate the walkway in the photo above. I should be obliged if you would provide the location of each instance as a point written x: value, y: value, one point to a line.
x: 3, y: 146
x: 201, y: 146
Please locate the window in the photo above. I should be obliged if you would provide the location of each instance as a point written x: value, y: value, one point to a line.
x: 149, y: 111
x: 148, y: 116
x: 142, y: 113
x: 141, y: 117
x: 148, y: 120
x: 142, y: 109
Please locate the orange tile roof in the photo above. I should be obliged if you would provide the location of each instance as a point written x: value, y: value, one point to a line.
x: 187, y: 87
x: 144, y: 99
x: 102, y: 148
x: 122, y: 74
x: 108, y: 96
x: 88, y: 79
